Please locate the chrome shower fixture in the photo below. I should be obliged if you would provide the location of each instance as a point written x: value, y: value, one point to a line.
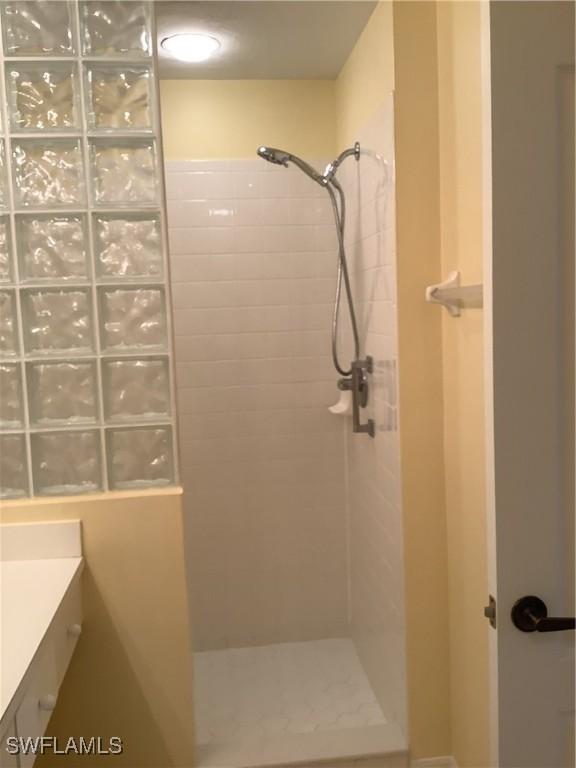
x: 332, y: 167
x: 276, y: 156
x: 280, y: 157
x: 330, y: 183
x: 355, y: 377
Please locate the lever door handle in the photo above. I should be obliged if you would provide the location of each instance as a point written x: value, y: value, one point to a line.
x: 530, y: 614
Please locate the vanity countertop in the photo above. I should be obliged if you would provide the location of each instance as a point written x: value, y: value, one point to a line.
x: 31, y: 592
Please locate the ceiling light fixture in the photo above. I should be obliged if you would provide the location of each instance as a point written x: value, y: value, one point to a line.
x: 190, y: 47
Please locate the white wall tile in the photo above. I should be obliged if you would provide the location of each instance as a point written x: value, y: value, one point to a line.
x: 277, y: 213
x: 326, y: 238
x: 246, y: 184
x: 275, y: 185
x: 262, y: 458
x: 263, y: 266
x: 268, y: 489
x: 188, y: 241
x: 315, y: 264
x: 317, y: 211
x: 249, y: 213
x: 301, y: 186
x: 376, y: 585
x: 201, y: 213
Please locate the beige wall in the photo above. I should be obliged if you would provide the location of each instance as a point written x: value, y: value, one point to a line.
x: 439, y: 198
x: 367, y: 77
x: 218, y: 119
x: 209, y: 118
x: 460, y: 122
x: 420, y: 372
x: 130, y: 675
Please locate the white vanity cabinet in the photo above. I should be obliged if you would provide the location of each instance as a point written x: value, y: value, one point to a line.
x: 8, y: 760
x: 41, y: 625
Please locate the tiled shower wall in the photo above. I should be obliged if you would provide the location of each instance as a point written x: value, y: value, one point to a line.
x: 294, y: 523
x: 376, y: 544
x: 85, y: 371
x: 253, y: 264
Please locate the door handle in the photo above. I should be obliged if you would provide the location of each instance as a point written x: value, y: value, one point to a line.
x: 530, y: 614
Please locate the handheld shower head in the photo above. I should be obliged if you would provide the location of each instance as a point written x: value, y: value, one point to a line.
x: 276, y: 156
x: 280, y: 157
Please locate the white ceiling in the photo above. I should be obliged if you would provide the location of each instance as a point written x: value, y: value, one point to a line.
x: 265, y: 39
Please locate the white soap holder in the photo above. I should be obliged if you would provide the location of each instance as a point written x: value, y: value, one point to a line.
x: 344, y: 405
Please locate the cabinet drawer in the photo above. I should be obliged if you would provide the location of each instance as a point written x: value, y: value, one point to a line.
x: 48, y: 669
x: 39, y: 699
x: 66, y: 629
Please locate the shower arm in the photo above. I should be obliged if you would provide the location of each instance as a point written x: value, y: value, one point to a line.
x: 332, y: 167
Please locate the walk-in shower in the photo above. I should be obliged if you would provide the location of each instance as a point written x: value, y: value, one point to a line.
x: 284, y: 293
x: 355, y: 377
x: 293, y: 540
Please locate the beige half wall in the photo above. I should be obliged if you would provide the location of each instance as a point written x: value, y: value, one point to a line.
x: 130, y: 675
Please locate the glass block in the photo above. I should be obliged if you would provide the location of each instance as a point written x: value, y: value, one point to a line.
x: 3, y: 177
x: 140, y: 457
x: 116, y: 28
x: 8, y: 324
x: 57, y: 320
x: 10, y: 396
x: 133, y: 318
x: 37, y: 28
x: 119, y: 97
x: 62, y: 393
x: 13, y: 467
x: 136, y: 389
x: 66, y: 462
x: 128, y: 246
x: 124, y: 172
x: 42, y: 96
x: 52, y: 247
x: 48, y: 173
x: 5, y: 250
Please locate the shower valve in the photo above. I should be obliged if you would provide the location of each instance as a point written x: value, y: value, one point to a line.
x: 359, y: 382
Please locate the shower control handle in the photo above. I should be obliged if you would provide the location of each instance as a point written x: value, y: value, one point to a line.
x: 360, y: 371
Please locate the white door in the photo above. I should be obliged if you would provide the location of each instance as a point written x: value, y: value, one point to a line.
x: 530, y: 364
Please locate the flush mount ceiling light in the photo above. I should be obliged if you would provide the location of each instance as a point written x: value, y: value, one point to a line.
x: 190, y: 47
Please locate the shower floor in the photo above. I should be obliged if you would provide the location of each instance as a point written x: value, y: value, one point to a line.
x: 280, y: 700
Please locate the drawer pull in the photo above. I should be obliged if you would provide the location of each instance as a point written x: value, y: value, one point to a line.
x: 75, y: 630
x: 47, y: 702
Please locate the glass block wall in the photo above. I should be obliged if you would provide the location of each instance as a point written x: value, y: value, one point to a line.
x: 86, y: 399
